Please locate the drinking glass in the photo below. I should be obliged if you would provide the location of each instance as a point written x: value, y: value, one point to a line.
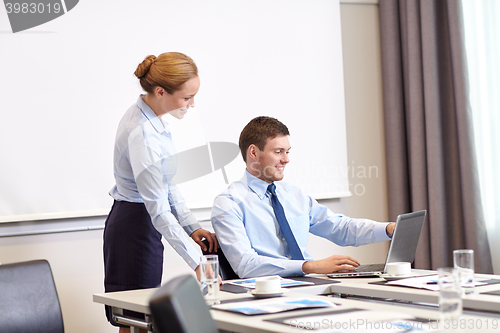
x: 464, y: 261
x: 450, y: 293
x: 209, y: 278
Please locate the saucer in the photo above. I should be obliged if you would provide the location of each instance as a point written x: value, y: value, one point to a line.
x: 267, y: 295
x: 388, y: 277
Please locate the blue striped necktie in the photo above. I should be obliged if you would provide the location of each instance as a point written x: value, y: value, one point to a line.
x: 284, y: 226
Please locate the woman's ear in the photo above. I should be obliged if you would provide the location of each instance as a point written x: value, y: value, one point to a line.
x: 159, y: 92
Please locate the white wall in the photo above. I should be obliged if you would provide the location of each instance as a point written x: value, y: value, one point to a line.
x: 365, y: 130
x: 76, y: 257
x: 270, y: 31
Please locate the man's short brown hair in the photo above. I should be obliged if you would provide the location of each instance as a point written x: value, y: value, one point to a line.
x: 258, y: 130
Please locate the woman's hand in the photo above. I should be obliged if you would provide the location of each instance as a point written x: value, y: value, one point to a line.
x: 198, y: 236
x: 197, y: 270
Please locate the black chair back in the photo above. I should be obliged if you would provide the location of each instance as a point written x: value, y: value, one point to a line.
x: 28, y: 299
x: 179, y: 307
x: 225, y: 269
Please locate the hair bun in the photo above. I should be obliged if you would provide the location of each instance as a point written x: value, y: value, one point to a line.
x: 144, y: 66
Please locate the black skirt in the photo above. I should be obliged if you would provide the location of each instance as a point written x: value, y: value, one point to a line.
x: 133, y: 251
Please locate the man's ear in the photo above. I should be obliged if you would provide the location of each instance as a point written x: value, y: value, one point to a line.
x: 252, y: 152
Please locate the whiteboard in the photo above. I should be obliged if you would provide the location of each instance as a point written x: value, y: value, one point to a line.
x: 66, y: 84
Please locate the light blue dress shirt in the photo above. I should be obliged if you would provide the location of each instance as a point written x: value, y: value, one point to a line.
x: 144, y: 162
x: 249, y: 234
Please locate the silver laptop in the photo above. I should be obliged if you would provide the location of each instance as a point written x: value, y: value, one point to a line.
x: 402, y: 249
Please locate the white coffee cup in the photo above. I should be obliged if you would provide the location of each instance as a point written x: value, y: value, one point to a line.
x: 398, y: 268
x: 268, y: 284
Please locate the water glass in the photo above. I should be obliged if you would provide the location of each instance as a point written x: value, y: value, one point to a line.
x: 209, y: 278
x: 450, y: 293
x: 464, y: 261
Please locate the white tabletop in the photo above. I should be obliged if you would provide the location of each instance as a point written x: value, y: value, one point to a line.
x: 362, y: 287
x: 137, y: 300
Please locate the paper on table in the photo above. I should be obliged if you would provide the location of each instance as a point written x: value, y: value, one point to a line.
x: 273, y: 306
x: 250, y: 283
x: 428, y: 282
x: 361, y: 321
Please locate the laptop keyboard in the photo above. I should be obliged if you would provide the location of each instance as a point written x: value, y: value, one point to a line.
x: 370, y: 268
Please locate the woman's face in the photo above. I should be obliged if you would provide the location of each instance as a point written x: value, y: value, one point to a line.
x: 180, y: 101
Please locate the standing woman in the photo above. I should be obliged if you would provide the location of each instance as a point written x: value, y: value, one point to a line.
x: 146, y: 204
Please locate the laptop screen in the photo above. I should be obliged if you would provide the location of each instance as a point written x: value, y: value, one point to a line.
x: 405, y: 238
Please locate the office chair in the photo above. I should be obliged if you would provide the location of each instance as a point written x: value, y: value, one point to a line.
x: 28, y: 299
x: 225, y: 269
x: 179, y: 307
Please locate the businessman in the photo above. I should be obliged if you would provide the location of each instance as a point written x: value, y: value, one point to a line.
x: 262, y: 224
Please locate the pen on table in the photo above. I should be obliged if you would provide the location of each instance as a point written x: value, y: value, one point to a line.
x: 432, y: 282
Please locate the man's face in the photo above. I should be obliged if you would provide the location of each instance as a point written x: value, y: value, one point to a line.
x: 270, y: 162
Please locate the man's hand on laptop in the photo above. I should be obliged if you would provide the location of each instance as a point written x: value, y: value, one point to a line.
x: 335, y: 263
x: 389, y: 230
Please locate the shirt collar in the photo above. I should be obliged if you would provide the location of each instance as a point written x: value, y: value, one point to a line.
x: 257, y: 185
x: 158, y: 124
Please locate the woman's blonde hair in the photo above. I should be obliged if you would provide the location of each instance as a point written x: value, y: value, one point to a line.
x: 169, y: 70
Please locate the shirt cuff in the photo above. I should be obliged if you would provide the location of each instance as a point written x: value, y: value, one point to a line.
x: 294, y: 268
x: 380, y: 233
x: 191, y: 227
x: 193, y: 263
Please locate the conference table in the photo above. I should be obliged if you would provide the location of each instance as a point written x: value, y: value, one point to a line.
x: 358, y: 305
x: 483, y: 299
